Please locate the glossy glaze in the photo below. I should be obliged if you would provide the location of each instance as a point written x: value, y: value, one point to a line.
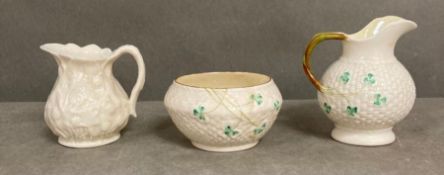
x: 367, y: 90
x: 223, y: 119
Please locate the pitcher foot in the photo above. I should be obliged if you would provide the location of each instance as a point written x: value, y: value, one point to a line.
x: 363, y: 137
x: 88, y: 143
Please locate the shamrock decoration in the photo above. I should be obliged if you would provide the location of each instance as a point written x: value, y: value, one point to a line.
x: 327, y: 108
x: 199, y: 112
x: 352, y: 110
x: 260, y: 129
x: 230, y: 132
x: 379, y: 100
x: 345, y: 77
x: 257, y: 98
x: 277, y: 105
x: 369, y: 79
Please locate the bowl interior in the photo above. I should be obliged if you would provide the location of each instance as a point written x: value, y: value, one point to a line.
x: 223, y: 80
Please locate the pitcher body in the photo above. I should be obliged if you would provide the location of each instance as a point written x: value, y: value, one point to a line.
x: 374, y: 97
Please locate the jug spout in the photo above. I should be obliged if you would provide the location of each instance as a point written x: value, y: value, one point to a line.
x: 52, y: 48
x: 388, y: 28
x: 378, y: 39
x: 49, y: 47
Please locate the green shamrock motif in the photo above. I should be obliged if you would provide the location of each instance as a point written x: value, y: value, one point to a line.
x: 352, y: 110
x: 345, y: 77
x: 370, y: 79
x: 327, y: 108
x: 230, y: 132
x: 380, y: 100
x: 277, y: 105
x: 260, y: 129
x: 257, y: 98
x: 199, y: 112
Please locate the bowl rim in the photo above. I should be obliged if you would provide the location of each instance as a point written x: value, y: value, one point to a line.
x: 269, y: 79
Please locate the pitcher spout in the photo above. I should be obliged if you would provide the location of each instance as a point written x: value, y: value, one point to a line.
x: 50, y: 48
x: 388, y: 28
x: 378, y: 39
x: 53, y: 49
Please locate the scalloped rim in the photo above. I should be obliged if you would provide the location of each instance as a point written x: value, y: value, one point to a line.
x: 89, y: 52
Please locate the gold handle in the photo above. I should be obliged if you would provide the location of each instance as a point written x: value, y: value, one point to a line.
x: 318, y: 38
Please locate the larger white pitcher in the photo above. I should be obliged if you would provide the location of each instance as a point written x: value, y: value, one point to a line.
x: 87, y: 106
x: 367, y: 91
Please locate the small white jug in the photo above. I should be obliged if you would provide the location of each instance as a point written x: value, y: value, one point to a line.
x: 87, y: 106
x: 367, y: 91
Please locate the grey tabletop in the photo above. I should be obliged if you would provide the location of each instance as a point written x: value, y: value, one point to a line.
x: 298, y: 143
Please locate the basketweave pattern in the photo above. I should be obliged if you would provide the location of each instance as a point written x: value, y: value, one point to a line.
x: 241, y: 109
x: 382, y: 94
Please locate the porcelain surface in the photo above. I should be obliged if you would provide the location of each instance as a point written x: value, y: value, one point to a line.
x: 367, y: 91
x: 87, y: 106
x: 224, y: 119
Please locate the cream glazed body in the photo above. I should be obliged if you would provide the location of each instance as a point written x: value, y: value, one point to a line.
x: 223, y: 119
x: 87, y: 106
x: 367, y: 91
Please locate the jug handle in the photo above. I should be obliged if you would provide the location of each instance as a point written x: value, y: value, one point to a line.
x: 133, y: 51
x: 318, y: 38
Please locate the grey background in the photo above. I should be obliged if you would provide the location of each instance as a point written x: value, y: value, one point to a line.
x: 178, y: 37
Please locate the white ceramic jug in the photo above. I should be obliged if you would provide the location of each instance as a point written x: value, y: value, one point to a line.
x: 367, y: 91
x: 87, y: 106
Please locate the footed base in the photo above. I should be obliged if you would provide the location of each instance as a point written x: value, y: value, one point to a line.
x: 363, y: 137
x: 89, y: 143
x: 225, y: 149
